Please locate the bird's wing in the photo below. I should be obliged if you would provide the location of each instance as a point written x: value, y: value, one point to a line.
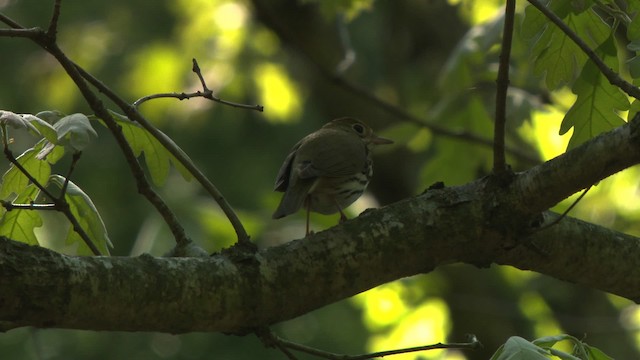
x: 282, y: 180
x: 330, y: 156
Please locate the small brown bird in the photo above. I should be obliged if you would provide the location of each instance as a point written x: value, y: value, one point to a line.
x: 328, y: 169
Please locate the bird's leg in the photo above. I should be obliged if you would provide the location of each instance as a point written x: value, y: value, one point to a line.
x: 307, y: 203
x: 343, y: 217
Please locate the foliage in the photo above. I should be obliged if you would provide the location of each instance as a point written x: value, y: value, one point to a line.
x: 542, y: 348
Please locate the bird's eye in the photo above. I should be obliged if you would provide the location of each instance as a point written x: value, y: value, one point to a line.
x: 358, y: 128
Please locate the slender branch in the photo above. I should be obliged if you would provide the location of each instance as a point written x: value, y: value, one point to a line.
x: 133, y: 114
x: 74, y: 161
x: 59, y: 203
x: 499, y: 162
x: 9, y: 206
x: 76, y: 74
x: 611, y: 75
x: 206, y: 93
x: 9, y: 155
x: 400, y: 113
x: 271, y: 339
x: 396, y: 111
x: 566, y: 212
x: 52, y: 32
x: 12, y: 24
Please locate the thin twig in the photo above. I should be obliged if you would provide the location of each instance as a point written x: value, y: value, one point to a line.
x: 52, y: 32
x: 611, y: 75
x: 59, y: 203
x: 396, y: 111
x: 271, y: 339
x: 74, y: 161
x: 12, y: 24
x: 205, y: 93
x: 499, y: 162
x: 400, y: 113
x: 9, y: 206
x: 566, y: 212
x: 133, y: 114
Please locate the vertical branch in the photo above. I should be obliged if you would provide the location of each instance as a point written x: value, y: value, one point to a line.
x: 53, y: 23
x: 499, y: 162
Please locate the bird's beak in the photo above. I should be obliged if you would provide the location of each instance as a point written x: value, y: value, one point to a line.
x: 377, y: 140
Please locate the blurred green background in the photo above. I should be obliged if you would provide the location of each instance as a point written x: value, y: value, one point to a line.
x: 435, y: 60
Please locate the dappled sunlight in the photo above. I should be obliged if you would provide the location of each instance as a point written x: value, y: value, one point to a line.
x: 382, y: 306
x: 424, y: 325
x: 400, y: 317
x: 278, y: 93
x: 542, y: 131
x: 154, y: 69
x: 478, y: 11
x: 533, y: 306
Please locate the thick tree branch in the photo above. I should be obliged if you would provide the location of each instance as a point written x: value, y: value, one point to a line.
x: 237, y: 292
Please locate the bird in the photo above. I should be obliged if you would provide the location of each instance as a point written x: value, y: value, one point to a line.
x: 328, y: 169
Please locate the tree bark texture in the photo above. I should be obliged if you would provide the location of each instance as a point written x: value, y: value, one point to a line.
x: 486, y: 221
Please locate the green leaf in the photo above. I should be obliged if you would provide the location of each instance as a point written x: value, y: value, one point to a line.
x: 634, y: 67
x: 550, y: 341
x: 597, y: 354
x: 469, y: 57
x: 87, y: 216
x: 517, y: 348
x: 554, y: 54
x: 19, y: 224
x: 50, y: 116
x: 42, y: 127
x: 75, y: 130
x: 157, y: 158
x: 16, y: 121
x: 594, y: 110
x: 15, y: 182
x: 467, y: 113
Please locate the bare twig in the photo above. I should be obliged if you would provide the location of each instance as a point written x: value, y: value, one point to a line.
x: 52, y: 32
x: 270, y: 339
x: 566, y: 212
x: 611, y: 75
x: 205, y: 93
x: 499, y: 162
x: 133, y: 114
x: 74, y: 161
x: 9, y: 206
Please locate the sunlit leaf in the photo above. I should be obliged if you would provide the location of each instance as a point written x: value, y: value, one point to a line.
x: 75, y: 130
x: 19, y: 224
x: 554, y: 54
x: 43, y: 128
x: 597, y: 354
x: 517, y: 348
x: 594, y: 111
x: 87, y: 216
x: 17, y: 121
x: 15, y: 182
x: 157, y: 158
x: 550, y: 341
